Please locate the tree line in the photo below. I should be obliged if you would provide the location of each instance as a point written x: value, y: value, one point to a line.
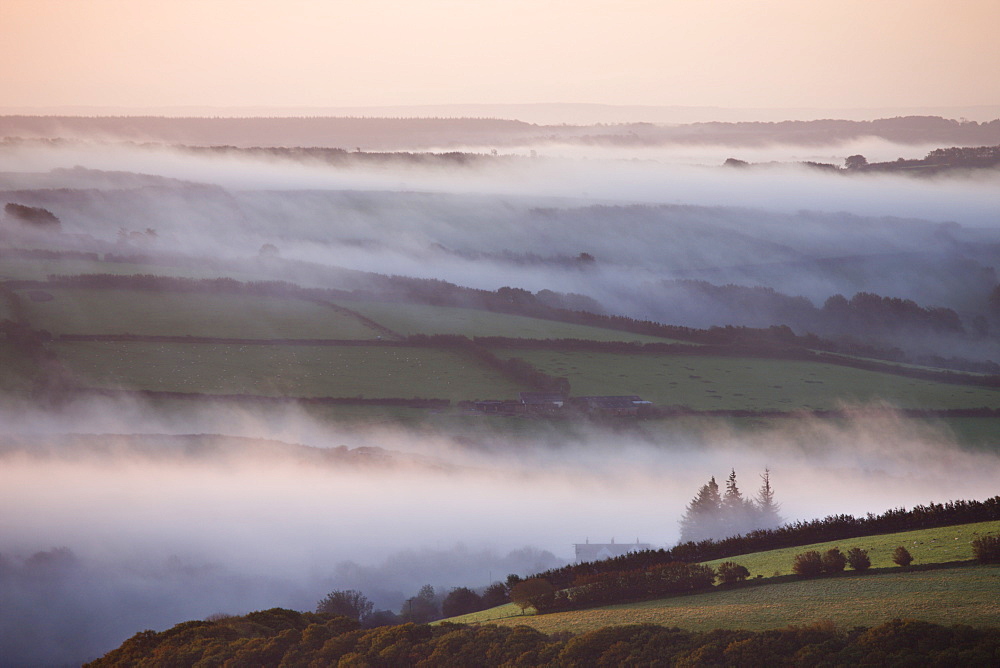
x: 792, y: 534
x: 776, y: 340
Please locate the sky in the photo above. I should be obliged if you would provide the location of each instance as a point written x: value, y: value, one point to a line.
x: 150, y: 54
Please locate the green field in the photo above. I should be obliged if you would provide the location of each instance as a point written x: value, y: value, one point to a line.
x: 966, y: 595
x: 274, y: 370
x: 424, y: 319
x: 730, y: 383
x: 92, y: 311
x: 946, y: 596
x: 928, y: 546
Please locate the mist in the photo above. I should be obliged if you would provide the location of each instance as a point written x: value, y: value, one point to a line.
x: 115, y: 517
x: 118, y: 516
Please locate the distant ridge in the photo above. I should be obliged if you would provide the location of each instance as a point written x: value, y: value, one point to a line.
x: 538, y: 113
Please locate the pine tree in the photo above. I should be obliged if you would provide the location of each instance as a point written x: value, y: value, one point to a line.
x: 703, y: 517
x: 767, y: 513
x: 738, y: 513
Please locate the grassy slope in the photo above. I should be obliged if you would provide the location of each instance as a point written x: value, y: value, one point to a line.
x: 928, y: 546
x: 424, y: 319
x: 967, y: 595
x: 335, y: 371
x: 706, y: 383
x: 86, y: 311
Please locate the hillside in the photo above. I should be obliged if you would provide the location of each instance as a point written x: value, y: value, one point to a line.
x: 943, y: 586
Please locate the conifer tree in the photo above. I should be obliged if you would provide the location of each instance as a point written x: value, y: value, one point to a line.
x: 703, y: 517
x: 767, y: 513
x: 738, y: 513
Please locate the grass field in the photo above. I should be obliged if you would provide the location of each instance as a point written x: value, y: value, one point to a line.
x: 424, y: 319
x: 948, y: 596
x: 87, y: 311
x: 705, y: 383
x: 967, y: 595
x: 306, y: 371
x: 928, y: 546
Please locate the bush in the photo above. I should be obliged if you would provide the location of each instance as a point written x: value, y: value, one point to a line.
x: 834, y: 561
x: 532, y: 593
x: 902, y: 557
x: 808, y: 564
x: 732, y: 572
x: 987, y: 549
x: 858, y: 559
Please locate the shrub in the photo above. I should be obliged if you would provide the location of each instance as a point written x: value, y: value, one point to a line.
x: 532, y: 593
x: 834, y: 561
x: 987, y: 549
x: 902, y: 557
x: 858, y: 559
x: 808, y: 564
x: 732, y: 572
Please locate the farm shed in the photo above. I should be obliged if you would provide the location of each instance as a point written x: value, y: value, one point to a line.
x: 597, y: 551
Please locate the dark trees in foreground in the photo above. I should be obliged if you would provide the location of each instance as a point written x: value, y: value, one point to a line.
x: 284, y: 637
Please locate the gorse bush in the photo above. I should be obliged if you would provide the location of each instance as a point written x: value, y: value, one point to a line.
x: 987, y: 549
x: 808, y: 564
x: 732, y: 572
x: 902, y: 557
x: 858, y: 559
x: 834, y: 561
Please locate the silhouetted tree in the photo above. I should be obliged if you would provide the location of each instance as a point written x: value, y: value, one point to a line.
x: 32, y: 216
x: 461, y: 601
x: 349, y: 603
x: 855, y: 161
x: 494, y: 595
x: 421, y: 608
x: 768, y: 516
x: 703, y: 517
x: 534, y: 592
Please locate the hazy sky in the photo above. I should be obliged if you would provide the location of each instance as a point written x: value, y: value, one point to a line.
x: 731, y: 53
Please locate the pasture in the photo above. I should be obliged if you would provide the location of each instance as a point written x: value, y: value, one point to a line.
x: 276, y: 370
x: 425, y: 319
x: 115, y: 311
x: 966, y: 595
x: 731, y: 383
x: 928, y: 546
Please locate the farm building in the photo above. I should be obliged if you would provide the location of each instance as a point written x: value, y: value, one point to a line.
x: 597, y: 551
x: 527, y: 402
